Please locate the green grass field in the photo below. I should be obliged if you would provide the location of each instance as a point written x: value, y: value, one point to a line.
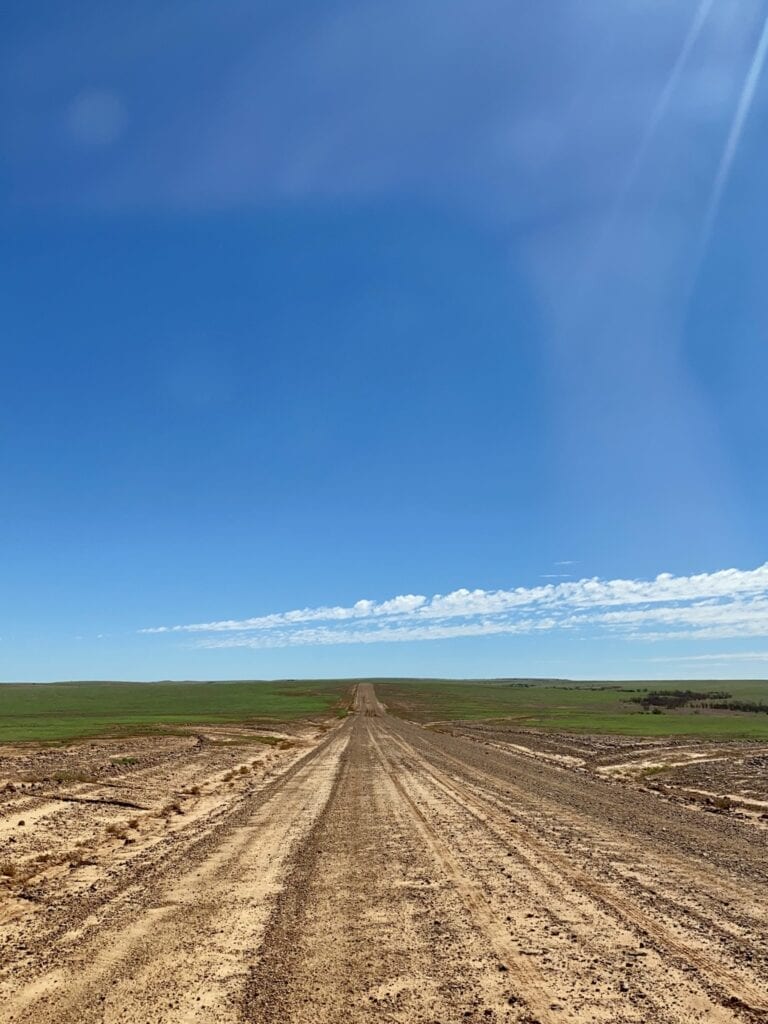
x: 56, y: 712
x: 51, y: 712
x: 581, y: 707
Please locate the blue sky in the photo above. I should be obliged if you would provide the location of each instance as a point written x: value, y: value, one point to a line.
x: 311, y: 314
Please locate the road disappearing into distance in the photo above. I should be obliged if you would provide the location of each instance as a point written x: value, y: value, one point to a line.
x: 375, y: 870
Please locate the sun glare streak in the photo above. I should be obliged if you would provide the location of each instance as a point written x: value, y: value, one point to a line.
x: 660, y: 110
x: 590, y: 271
x: 734, y: 136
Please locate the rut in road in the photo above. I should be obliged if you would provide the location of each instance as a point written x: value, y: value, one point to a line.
x: 395, y: 874
x: 369, y: 925
x: 552, y: 872
x: 499, y: 932
x: 179, y: 949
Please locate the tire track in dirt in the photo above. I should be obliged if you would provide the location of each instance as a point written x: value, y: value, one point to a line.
x: 583, y: 797
x: 181, y: 946
x: 389, y: 875
x: 733, y: 988
x: 371, y: 924
x: 528, y: 982
x: 123, y: 885
x: 716, y: 895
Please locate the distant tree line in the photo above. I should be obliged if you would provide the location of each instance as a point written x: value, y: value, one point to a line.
x: 681, y: 698
x: 757, y: 707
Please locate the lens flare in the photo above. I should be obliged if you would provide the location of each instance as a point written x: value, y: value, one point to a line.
x: 734, y: 136
x: 662, y: 103
x: 657, y: 116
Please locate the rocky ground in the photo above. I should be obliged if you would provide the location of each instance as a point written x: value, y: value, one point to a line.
x: 723, y: 777
x: 377, y: 870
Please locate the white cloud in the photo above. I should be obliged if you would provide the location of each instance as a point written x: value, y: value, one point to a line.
x: 727, y: 603
x: 720, y: 658
x: 399, y: 633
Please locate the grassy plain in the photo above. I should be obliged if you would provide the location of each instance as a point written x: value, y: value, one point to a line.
x: 604, y: 707
x: 55, y: 712
x: 51, y: 712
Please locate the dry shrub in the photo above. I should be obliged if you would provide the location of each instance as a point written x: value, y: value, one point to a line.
x: 79, y: 857
x: 60, y: 777
x: 173, y: 807
x: 9, y: 869
x: 723, y: 803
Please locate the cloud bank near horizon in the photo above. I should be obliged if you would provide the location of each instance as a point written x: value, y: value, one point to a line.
x: 727, y: 604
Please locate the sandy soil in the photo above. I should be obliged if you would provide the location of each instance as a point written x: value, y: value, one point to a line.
x: 373, y: 871
x: 722, y: 777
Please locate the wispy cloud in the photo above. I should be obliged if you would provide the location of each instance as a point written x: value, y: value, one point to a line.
x: 726, y: 603
x: 723, y: 658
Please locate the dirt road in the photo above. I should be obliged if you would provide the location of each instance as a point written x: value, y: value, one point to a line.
x: 387, y: 872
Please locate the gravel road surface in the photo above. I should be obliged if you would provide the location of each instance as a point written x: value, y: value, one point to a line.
x: 382, y: 871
